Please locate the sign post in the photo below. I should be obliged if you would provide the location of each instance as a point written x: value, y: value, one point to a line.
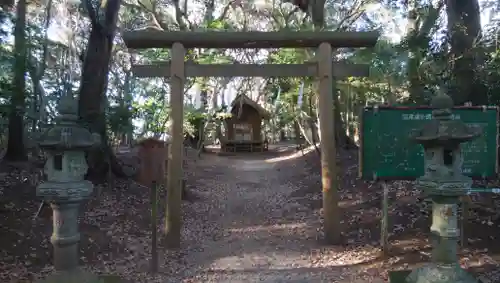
x: 151, y: 175
x: 387, y: 153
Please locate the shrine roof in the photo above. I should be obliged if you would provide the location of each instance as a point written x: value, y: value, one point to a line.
x: 243, y: 99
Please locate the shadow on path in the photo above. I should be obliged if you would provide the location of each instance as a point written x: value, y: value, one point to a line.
x: 249, y: 230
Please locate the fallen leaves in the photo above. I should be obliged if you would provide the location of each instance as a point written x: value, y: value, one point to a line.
x: 267, y: 216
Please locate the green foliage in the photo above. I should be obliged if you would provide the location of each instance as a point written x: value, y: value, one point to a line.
x: 213, y: 57
x: 118, y: 119
x: 4, y: 19
x: 147, y: 100
x: 195, y: 120
x: 219, y: 25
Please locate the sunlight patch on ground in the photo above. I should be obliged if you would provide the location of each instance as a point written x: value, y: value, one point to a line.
x: 272, y: 228
x: 407, y: 244
x: 315, y: 258
x: 253, y: 165
x: 349, y: 203
x: 279, y: 260
x: 291, y: 156
x: 267, y: 260
x: 334, y: 257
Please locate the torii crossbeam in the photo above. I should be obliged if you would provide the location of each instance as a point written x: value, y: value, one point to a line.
x: 152, y: 38
x: 341, y: 70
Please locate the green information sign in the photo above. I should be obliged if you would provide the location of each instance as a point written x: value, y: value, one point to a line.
x: 387, y: 152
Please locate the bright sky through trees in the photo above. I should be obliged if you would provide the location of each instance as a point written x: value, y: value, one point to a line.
x: 393, y: 25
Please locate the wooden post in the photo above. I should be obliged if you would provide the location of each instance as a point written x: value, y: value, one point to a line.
x: 154, y: 221
x: 173, y: 222
x: 328, y: 150
x: 466, y: 202
x: 151, y: 174
x: 384, y: 223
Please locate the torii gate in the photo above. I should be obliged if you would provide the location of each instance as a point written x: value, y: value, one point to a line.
x: 323, y: 67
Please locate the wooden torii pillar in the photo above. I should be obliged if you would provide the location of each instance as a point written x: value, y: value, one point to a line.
x: 323, y: 67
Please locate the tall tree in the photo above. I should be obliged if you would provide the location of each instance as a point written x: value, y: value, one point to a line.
x: 421, y: 20
x: 464, y: 28
x: 92, y: 100
x: 15, y: 148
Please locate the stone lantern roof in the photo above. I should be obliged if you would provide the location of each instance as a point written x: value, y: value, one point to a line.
x: 442, y: 131
x: 67, y: 134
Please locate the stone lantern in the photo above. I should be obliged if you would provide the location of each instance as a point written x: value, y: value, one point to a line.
x: 444, y: 183
x: 65, y: 188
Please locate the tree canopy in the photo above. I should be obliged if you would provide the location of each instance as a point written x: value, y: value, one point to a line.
x: 67, y: 46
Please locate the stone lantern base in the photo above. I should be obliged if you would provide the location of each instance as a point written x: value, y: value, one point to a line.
x: 433, y: 273
x: 79, y: 276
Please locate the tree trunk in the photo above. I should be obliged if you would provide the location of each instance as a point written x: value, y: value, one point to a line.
x: 464, y: 28
x: 341, y: 137
x: 92, y: 99
x: 215, y: 106
x: 15, y: 148
x: 296, y: 131
x: 415, y: 87
x: 204, y: 121
x: 417, y: 34
x: 315, y: 135
x: 6, y: 4
x: 125, y: 102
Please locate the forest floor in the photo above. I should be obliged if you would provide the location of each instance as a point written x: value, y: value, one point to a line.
x: 257, y: 219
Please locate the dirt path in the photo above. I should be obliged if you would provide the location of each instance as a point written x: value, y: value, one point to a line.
x: 246, y: 227
x: 247, y: 230
x: 255, y: 221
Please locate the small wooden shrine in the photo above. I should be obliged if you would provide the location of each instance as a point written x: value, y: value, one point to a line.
x: 244, y: 128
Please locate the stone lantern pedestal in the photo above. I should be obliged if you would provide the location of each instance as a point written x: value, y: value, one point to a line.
x: 65, y: 189
x: 444, y: 183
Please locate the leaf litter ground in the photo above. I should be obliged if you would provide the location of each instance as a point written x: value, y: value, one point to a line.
x: 258, y: 218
